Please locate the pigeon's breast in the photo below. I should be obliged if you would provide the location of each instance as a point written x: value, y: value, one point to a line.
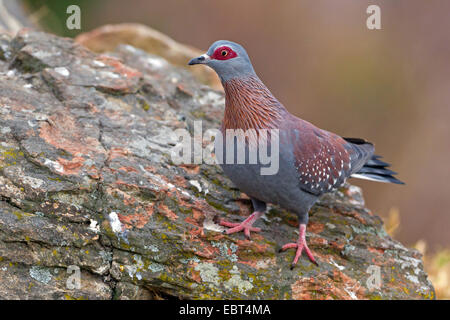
x: 266, y: 173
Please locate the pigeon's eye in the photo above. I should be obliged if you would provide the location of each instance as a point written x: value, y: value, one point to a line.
x: 223, y: 53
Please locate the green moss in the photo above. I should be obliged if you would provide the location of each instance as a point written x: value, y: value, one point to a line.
x: 20, y: 215
x: 69, y: 297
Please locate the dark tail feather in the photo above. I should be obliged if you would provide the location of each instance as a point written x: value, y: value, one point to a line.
x: 376, y: 170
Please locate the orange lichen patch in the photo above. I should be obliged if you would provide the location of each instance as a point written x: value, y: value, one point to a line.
x: 128, y: 185
x: 119, y: 67
x: 196, y: 232
x: 128, y: 169
x: 202, y: 206
x: 198, y: 215
x: 93, y: 172
x: 191, y: 168
x: 318, y: 241
x: 66, y: 134
x: 354, y: 214
x: 71, y: 166
x: 127, y: 199
x: 16, y: 104
x: 180, y: 181
x: 376, y: 250
x: 207, y: 251
x: 324, y: 287
x: 252, y: 245
x: 191, y: 221
x: 195, y: 275
x: 167, y: 212
x: 92, y: 107
x: 138, y: 220
x: 183, y: 89
x: 150, y: 169
x: 117, y: 152
x: 315, y: 227
x: 338, y: 245
x: 260, y: 263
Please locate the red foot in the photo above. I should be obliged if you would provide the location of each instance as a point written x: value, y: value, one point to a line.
x: 300, y: 245
x: 245, y: 225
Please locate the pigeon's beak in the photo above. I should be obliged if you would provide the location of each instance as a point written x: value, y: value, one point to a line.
x: 204, y: 58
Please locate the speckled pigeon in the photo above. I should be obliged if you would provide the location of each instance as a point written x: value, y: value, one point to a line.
x: 312, y: 161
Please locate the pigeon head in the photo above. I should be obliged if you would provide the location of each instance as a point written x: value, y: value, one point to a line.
x: 228, y: 59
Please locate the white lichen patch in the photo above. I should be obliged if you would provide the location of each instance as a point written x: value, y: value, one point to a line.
x: 190, y: 260
x: 5, y: 130
x: 223, y: 250
x: 34, y: 183
x: 265, y: 263
x: 208, y: 273
x: 155, y: 267
x: 40, y: 274
x: 32, y: 123
x: 94, y: 226
x: 143, y: 147
x: 157, y: 179
x: 54, y: 165
x: 356, y: 197
x: 209, y: 224
x: 135, y: 269
x: 196, y: 184
x: 62, y: 71
x: 336, y: 265
x: 106, y: 256
x: 412, y: 278
x: 152, y: 248
x: 413, y: 264
x: 115, y: 223
x: 351, y: 294
x: 109, y: 74
x: 212, y: 97
x: 409, y: 262
x: 156, y: 62
x: 236, y: 282
x: 98, y: 63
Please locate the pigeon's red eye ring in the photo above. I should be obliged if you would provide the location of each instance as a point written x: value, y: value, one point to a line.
x: 223, y: 53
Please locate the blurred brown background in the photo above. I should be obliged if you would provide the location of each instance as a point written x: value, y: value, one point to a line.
x: 390, y: 86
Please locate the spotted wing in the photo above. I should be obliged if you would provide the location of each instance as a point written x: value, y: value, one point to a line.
x: 323, y: 159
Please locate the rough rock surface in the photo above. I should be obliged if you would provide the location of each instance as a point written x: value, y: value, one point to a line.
x: 106, y: 38
x: 86, y: 181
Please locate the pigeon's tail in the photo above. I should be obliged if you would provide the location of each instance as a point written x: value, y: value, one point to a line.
x: 377, y: 170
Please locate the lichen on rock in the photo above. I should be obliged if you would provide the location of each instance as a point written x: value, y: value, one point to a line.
x: 86, y: 180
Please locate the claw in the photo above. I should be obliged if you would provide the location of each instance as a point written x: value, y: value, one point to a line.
x: 245, y: 225
x: 300, y: 245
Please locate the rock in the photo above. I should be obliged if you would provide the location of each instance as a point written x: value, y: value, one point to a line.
x: 107, y: 38
x: 87, y: 184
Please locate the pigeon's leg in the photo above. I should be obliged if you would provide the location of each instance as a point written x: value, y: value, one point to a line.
x: 300, y: 245
x: 247, y: 224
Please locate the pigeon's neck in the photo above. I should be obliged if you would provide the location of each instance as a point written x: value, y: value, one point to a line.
x: 249, y: 104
